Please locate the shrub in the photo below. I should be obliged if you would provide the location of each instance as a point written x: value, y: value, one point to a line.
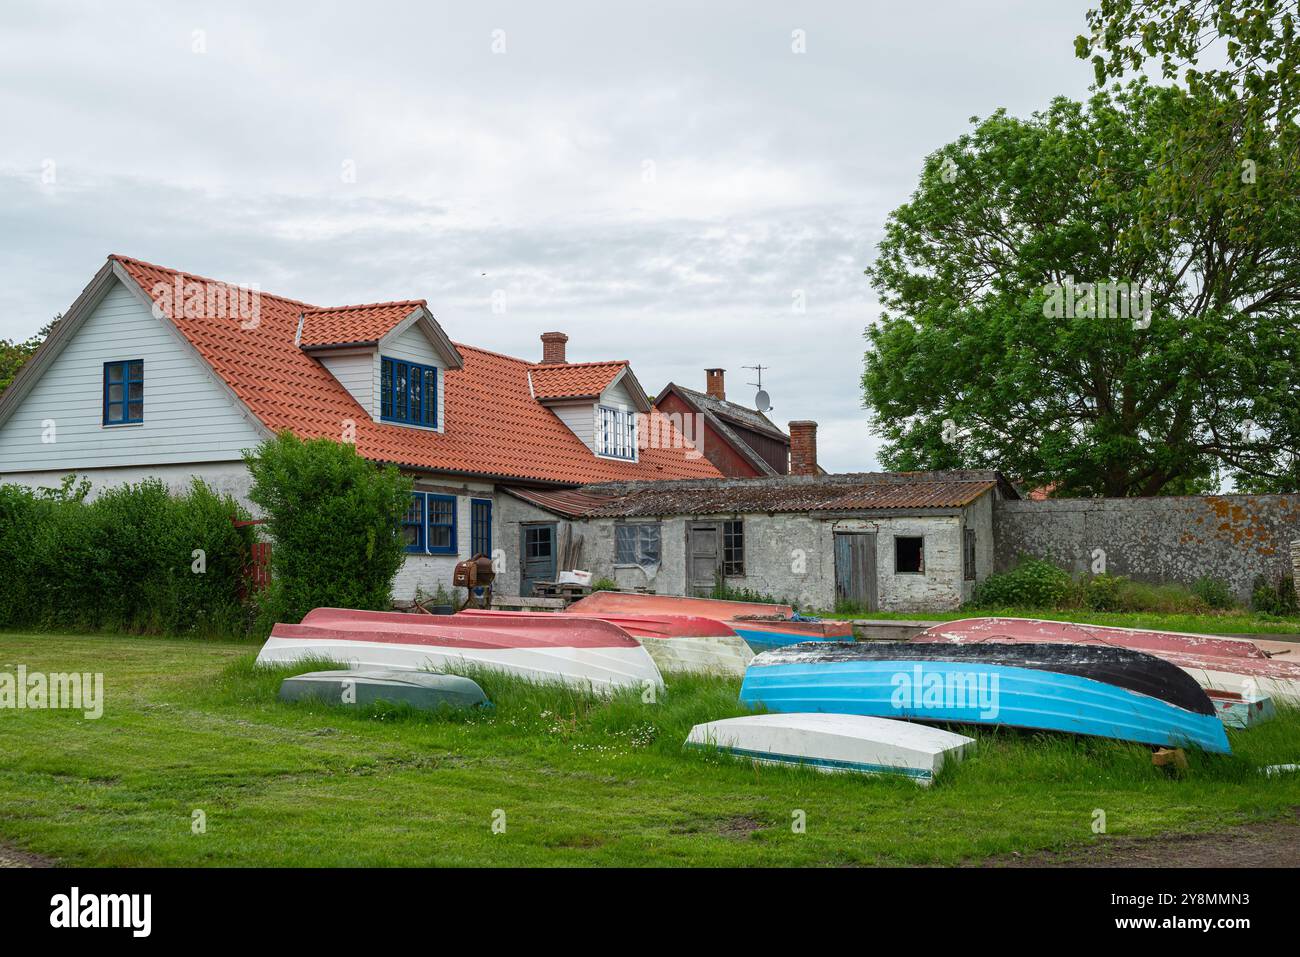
x: 335, y: 520
x: 604, y: 584
x: 1033, y: 583
x: 1277, y: 597
x: 1214, y: 592
x: 137, y: 558
x: 1105, y: 593
x: 725, y: 591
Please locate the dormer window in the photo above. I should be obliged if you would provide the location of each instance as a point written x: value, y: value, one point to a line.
x: 408, y: 393
x: 616, y: 433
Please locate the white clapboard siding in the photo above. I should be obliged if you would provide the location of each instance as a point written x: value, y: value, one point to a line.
x: 411, y: 345
x: 356, y: 373
x: 188, y: 417
x: 580, y: 417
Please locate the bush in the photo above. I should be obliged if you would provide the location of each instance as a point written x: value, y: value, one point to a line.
x: 1277, y: 597
x: 335, y: 520
x: 1105, y: 593
x: 1033, y: 583
x: 604, y: 584
x: 725, y: 591
x: 1214, y: 592
x: 136, y: 559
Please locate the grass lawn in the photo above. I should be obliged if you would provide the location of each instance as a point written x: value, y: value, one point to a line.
x: 1214, y: 623
x: 191, y: 725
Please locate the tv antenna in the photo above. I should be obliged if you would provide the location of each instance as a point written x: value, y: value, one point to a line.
x: 762, y: 401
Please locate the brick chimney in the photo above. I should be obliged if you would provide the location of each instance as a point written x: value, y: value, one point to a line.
x: 803, y: 448
x: 713, y: 384
x: 553, y: 347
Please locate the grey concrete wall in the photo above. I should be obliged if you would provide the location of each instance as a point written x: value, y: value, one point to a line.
x: 1173, y: 539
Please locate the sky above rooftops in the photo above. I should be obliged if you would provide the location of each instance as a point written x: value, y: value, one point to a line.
x: 660, y: 181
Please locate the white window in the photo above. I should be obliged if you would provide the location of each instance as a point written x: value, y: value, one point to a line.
x: 616, y: 433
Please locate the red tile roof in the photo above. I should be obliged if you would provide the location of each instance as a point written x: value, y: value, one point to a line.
x: 346, y: 325
x: 494, y: 426
x: 574, y: 380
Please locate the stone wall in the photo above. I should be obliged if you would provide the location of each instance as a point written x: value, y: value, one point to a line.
x: 1173, y: 539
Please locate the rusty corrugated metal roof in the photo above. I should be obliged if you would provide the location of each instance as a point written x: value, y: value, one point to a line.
x: 832, y: 494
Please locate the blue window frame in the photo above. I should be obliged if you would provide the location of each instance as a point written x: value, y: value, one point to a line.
x: 408, y: 392
x: 124, y: 392
x: 413, y: 523
x: 440, y: 524
x: 616, y: 436
x: 480, y: 526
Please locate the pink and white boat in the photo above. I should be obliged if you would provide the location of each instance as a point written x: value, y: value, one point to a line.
x: 676, y: 642
x: 578, y: 652
x: 1235, y: 665
x: 763, y: 626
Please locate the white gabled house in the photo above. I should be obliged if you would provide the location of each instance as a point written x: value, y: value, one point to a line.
x: 155, y: 372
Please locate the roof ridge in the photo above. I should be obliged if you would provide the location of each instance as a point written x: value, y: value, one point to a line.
x: 368, y: 305
x: 580, y: 365
x: 191, y: 275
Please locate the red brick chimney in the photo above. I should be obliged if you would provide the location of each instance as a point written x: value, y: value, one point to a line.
x: 713, y: 384
x: 803, y: 448
x: 553, y: 347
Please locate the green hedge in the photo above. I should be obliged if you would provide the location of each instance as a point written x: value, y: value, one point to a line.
x: 137, y: 558
x: 335, y: 520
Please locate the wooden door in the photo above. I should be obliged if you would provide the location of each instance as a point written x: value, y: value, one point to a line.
x: 538, y: 550
x: 855, y: 569
x: 703, y: 557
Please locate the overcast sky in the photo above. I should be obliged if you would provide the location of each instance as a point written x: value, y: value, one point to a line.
x: 658, y: 180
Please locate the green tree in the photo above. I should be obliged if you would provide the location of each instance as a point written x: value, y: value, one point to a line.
x: 334, y: 519
x: 14, y: 354
x: 1009, y: 338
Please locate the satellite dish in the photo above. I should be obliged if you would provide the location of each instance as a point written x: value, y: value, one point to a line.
x: 762, y: 401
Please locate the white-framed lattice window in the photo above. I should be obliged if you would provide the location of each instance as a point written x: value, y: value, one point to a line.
x: 615, y: 433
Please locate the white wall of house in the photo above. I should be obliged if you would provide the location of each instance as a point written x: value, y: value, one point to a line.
x: 229, y: 478
x: 356, y: 373
x: 424, y: 573
x: 188, y: 416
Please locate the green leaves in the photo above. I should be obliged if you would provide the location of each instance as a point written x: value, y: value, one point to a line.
x: 1181, y: 299
x: 334, y: 518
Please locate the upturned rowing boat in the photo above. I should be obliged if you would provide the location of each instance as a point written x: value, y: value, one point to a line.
x: 1081, y: 689
x: 763, y: 626
x: 677, y: 643
x: 835, y: 742
x: 1217, y: 663
x: 577, y: 652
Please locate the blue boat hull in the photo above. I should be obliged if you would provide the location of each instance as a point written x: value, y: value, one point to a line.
x: 968, y: 692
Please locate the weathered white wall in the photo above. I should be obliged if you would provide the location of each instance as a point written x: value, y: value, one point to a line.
x: 188, y: 416
x: 787, y: 556
x: 230, y: 478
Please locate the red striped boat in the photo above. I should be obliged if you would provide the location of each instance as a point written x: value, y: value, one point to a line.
x: 575, y: 651
x: 763, y: 626
x: 675, y: 642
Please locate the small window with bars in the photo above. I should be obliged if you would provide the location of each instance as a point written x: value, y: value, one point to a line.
x: 968, y: 554
x: 733, y: 547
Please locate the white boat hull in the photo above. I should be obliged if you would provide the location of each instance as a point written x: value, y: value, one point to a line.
x: 835, y: 743
x: 601, y: 669
x: 714, y: 655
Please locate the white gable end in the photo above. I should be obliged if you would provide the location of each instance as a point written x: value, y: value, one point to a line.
x: 188, y: 415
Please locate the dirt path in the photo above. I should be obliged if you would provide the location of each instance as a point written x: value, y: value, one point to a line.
x: 12, y: 857
x: 1268, y: 844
